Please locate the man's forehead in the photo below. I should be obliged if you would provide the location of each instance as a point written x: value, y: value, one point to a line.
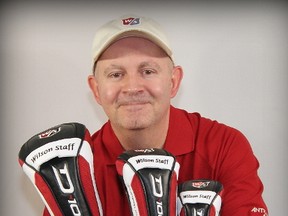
x: 133, y: 45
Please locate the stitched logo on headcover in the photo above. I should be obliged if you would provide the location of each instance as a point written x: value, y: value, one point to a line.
x: 200, y: 184
x: 131, y: 21
x: 49, y: 133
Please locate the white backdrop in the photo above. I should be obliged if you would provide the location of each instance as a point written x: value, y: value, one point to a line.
x: 234, y: 59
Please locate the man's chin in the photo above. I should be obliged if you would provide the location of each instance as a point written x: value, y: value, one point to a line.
x: 136, y: 117
x: 134, y: 124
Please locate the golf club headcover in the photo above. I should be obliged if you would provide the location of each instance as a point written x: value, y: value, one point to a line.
x: 59, y: 162
x: 200, y: 197
x: 150, y: 179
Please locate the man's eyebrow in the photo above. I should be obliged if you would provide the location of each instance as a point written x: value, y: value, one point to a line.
x: 149, y: 64
x: 142, y: 65
x: 111, y: 67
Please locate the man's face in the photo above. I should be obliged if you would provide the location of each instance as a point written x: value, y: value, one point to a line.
x: 134, y: 82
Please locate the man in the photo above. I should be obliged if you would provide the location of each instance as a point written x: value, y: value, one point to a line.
x: 134, y: 78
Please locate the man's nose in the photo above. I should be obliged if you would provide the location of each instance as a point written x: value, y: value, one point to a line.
x: 133, y: 83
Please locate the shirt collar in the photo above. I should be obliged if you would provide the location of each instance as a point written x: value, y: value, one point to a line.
x: 181, y: 133
x: 179, y: 140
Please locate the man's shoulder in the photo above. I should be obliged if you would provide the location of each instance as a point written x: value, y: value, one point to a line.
x: 204, y: 125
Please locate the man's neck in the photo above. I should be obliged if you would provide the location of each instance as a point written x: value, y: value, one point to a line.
x: 153, y: 137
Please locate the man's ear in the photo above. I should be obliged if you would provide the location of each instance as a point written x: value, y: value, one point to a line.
x: 177, y: 75
x: 93, y: 84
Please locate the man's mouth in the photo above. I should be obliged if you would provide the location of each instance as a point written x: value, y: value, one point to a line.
x: 133, y: 105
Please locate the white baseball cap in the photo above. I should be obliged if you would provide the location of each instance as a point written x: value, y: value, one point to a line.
x: 128, y: 26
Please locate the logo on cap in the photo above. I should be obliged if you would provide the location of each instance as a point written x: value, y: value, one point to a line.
x: 131, y: 21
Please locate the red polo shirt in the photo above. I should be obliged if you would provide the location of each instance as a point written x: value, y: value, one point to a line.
x: 205, y: 149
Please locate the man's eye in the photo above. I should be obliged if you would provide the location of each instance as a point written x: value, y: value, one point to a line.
x: 115, y: 75
x: 148, y: 72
